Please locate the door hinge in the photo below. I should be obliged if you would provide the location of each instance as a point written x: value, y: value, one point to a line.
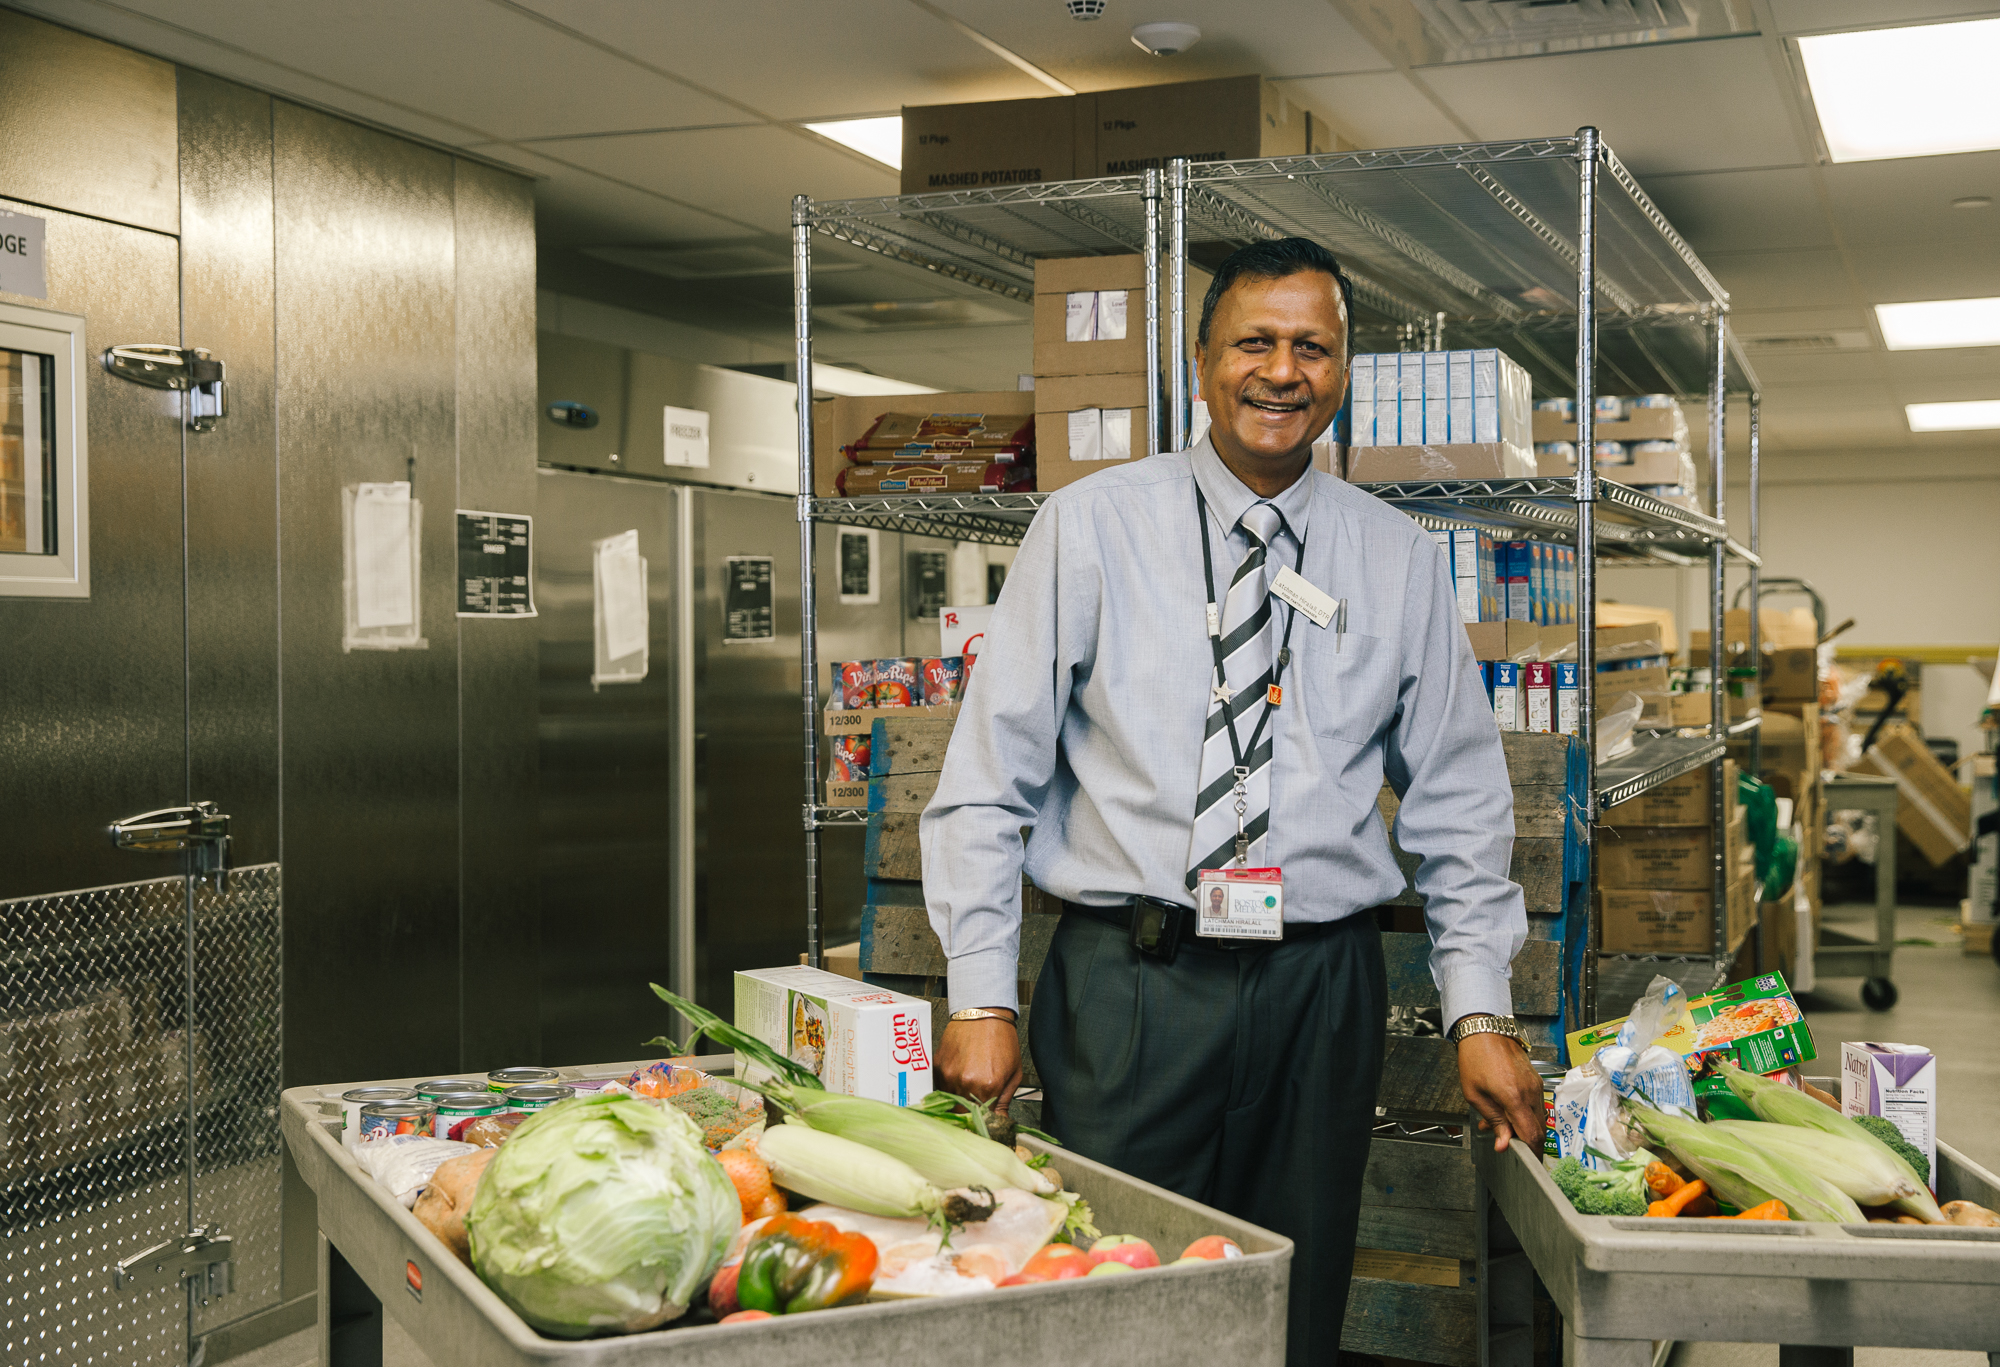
x: 202, y: 828
x: 190, y: 370
x: 205, y: 1258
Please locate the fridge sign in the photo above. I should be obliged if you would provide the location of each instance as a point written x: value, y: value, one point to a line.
x: 21, y: 268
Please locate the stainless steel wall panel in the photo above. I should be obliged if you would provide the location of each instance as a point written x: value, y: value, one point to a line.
x: 499, y: 917
x: 227, y: 306
x: 606, y: 809
x: 89, y: 127
x: 93, y: 691
x: 366, y: 357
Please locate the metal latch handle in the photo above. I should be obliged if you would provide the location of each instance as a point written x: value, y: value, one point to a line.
x: 191, y: 370
x: 204, y: 1256
x: 202, y: 828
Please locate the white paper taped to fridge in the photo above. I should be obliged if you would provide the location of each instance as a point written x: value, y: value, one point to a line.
x: 383, y: 593
x: 621, y: 586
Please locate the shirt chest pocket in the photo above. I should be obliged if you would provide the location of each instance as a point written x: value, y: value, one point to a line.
x: 1348, y: 685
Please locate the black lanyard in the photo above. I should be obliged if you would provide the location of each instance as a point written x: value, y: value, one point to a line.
x: 1215, y: 639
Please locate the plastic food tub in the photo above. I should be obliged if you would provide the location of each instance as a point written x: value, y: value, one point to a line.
x: 375, y: 1259
x: 1621, y: 1284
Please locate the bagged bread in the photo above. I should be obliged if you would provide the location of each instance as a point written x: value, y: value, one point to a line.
x: 443, y: 1205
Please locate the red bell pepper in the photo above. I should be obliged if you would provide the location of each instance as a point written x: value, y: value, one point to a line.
x: 795, y: 1265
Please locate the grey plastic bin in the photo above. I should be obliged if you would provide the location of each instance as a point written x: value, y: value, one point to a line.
x: 1621, y: 1284
x: 374, y: 1257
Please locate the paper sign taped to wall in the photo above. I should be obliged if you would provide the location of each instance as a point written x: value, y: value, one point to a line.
x: 384, y: 595
x: 962, y: 631
x: 621, y: 588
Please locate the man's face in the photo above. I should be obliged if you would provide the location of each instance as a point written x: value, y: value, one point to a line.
x: 1274, y: 368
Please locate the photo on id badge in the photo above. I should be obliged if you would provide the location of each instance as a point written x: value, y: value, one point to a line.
x: 1241, y: 904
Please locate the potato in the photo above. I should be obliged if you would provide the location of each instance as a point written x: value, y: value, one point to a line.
x: 442, y: 1205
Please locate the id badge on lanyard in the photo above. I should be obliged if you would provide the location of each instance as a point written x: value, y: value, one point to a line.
x: 1240, y: 904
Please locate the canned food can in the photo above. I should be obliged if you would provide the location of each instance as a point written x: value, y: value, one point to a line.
x: 944, y: 676
x: 1610, y: 453
x: 965, y: 674
x: 854, y: 683
x: 459, y: 1107
x: 1656, y: 448
x: 445, y: 1086
x: 351, y: 1103
x: 380, y: 1119
x: 899, y: 683
x: 850, y: 759
x: 1656, y: 401
x: 1564, y: 451
x: 501, y: 1079
x: 1565, y: 406
x: 538, y: 1096
x: 1609, y: 407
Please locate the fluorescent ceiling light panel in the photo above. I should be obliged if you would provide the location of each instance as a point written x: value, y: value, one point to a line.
x: 1940, y: 323
x: 1971, y: 416
x: 881, y: 139
x: 833, y: 379
x: 1906, y: 92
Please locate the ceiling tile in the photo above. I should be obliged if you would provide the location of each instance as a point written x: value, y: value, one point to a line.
x: 1778, y: 370
x: 1828, y: 16
x: 798, y: 61
x: 1699, y: 106
x: 1908, y: 199
x: 1781, y: 279
x: 1381, y: 110
x: 1941, y: 270
x: 746, y: 174
x: 576, y: 206
x: 1742, y: 210
x: 1947, y: 365
x: 1278, y: 37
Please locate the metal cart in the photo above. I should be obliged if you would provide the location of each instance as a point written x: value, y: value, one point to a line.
x: 1839, y: 954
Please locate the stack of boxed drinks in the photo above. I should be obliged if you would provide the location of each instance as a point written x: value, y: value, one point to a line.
x: 863, y: 690
x: 1419, y: 415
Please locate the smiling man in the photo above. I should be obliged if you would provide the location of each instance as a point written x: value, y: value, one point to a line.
x: 1202, y: 669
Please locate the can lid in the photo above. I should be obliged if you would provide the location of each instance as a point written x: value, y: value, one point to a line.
x: 439, y: 1086
x: 378, y: 1094
x: 516, y: 1075
x: 540, y: 1091
x: 462, y: 1101
x: 398, y: 1108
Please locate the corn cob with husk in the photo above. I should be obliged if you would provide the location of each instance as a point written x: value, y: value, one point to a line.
x: 1871, y: 1178
x: 828, y: 1168
x: 1745, y: 1176
x: 943, y: 1154
x: 1778, y: 1104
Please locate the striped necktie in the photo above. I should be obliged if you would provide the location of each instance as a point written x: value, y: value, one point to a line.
x: 1247, y: 662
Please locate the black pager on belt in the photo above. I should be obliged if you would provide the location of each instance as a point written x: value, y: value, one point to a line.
x: 1157, y: 927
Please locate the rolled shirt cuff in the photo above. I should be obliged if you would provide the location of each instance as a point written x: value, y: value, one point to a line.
x: 1466, y: 992
x: 984, y: 977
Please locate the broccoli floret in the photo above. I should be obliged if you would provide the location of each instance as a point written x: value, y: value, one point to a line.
x: 1618, y: 1190
x: 1885, y: 1130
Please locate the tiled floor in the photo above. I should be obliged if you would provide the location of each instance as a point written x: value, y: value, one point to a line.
x: 1949, y: 1001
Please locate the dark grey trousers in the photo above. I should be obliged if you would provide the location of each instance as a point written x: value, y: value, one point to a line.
x: 1241, y: 1078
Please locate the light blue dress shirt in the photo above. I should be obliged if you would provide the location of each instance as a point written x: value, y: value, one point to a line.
x: 1085, y: 715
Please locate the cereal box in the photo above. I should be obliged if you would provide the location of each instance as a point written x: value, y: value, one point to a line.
x: 856, y: 1038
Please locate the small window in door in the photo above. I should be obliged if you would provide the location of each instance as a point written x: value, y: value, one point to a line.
x: 44, y: 489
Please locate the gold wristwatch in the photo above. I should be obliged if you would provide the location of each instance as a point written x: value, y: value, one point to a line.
x: 982, y: 1013
x: 1490, y: 1025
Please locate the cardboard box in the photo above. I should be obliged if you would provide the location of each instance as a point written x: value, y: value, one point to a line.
x: 1474, y: 460
x: 1931, y: 809
x: 844, y: 960
x: 1683, y: 802
x: 1654, y: 467
x: 1789, y: 740
x: 1641, y: 424
x: 1780, y: 628
x: 935, y: 477
x: 1611, y: 616
x: 1082, y: 301
x: 1667, y: 858
x: 1898, y: 1082
x: 1634, y: 641
x: 858, y: 1039
x: 1756, y: 1020
x: 1513, y: 640
x: 1104, y: 133
x: 1645, y: 679
x: 1060, y: 460
x: 1985, y: 873
x: 843, y: 421
x: 1643, y: 921
x: 1656, y: 710
x: 860, y: 721
x: 1790, y: 674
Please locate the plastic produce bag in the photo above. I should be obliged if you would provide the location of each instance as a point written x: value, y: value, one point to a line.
x: 1615, y: 727
x: 1777, y: 852
x: 1588, y: 1123
x: 404, y: 1162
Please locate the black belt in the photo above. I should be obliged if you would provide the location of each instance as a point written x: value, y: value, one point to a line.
x: 1121, y: 916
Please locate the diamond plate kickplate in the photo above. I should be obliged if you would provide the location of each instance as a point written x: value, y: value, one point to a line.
x: 99, y: 1075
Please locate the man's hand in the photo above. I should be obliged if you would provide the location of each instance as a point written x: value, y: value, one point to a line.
x: 1493, y: 1071
x: 980, y: 1059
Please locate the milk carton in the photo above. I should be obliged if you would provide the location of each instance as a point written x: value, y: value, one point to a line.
x: 857, y: 1039
x: 1897, y: 1082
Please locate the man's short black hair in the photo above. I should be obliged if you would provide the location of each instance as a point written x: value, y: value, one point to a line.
x: 1274, y: 261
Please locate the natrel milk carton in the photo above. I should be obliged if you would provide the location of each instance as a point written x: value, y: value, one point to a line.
x: 1897, y: 1082
x: 858, y: 1039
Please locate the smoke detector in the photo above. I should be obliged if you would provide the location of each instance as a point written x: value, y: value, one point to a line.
x: 1165, y: 39
x: 1084, y: 9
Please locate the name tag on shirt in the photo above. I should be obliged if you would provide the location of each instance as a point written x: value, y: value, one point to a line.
x: 1240, y: 904
x: 1304, y: 595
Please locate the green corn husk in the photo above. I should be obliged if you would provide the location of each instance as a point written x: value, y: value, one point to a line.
x: 847, y: 1174
x: 1871, y: 1178
x: 1782, y: 1105
x: 942, y: 1153
x: 1745, y: 1176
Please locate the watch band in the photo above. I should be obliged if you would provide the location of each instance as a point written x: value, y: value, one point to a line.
x: 981, y: 1013
x: 1490, y: 1025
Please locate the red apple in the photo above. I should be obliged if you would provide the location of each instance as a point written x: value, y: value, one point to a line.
x: 1214, y: 1246
x: 1049, y: 1263
x: 745, y: 1317
x: 1128, y: 1249
x: 1112, y: 1270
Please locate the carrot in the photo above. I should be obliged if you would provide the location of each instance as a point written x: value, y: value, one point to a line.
x: 1772, y: 1209
x: 1675, y: 1201
x: 1662, y: 1180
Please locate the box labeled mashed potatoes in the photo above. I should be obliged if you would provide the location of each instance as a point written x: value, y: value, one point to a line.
x: 856, y: 1038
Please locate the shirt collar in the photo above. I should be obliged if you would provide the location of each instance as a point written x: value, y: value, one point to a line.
x: 1229, y: 497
